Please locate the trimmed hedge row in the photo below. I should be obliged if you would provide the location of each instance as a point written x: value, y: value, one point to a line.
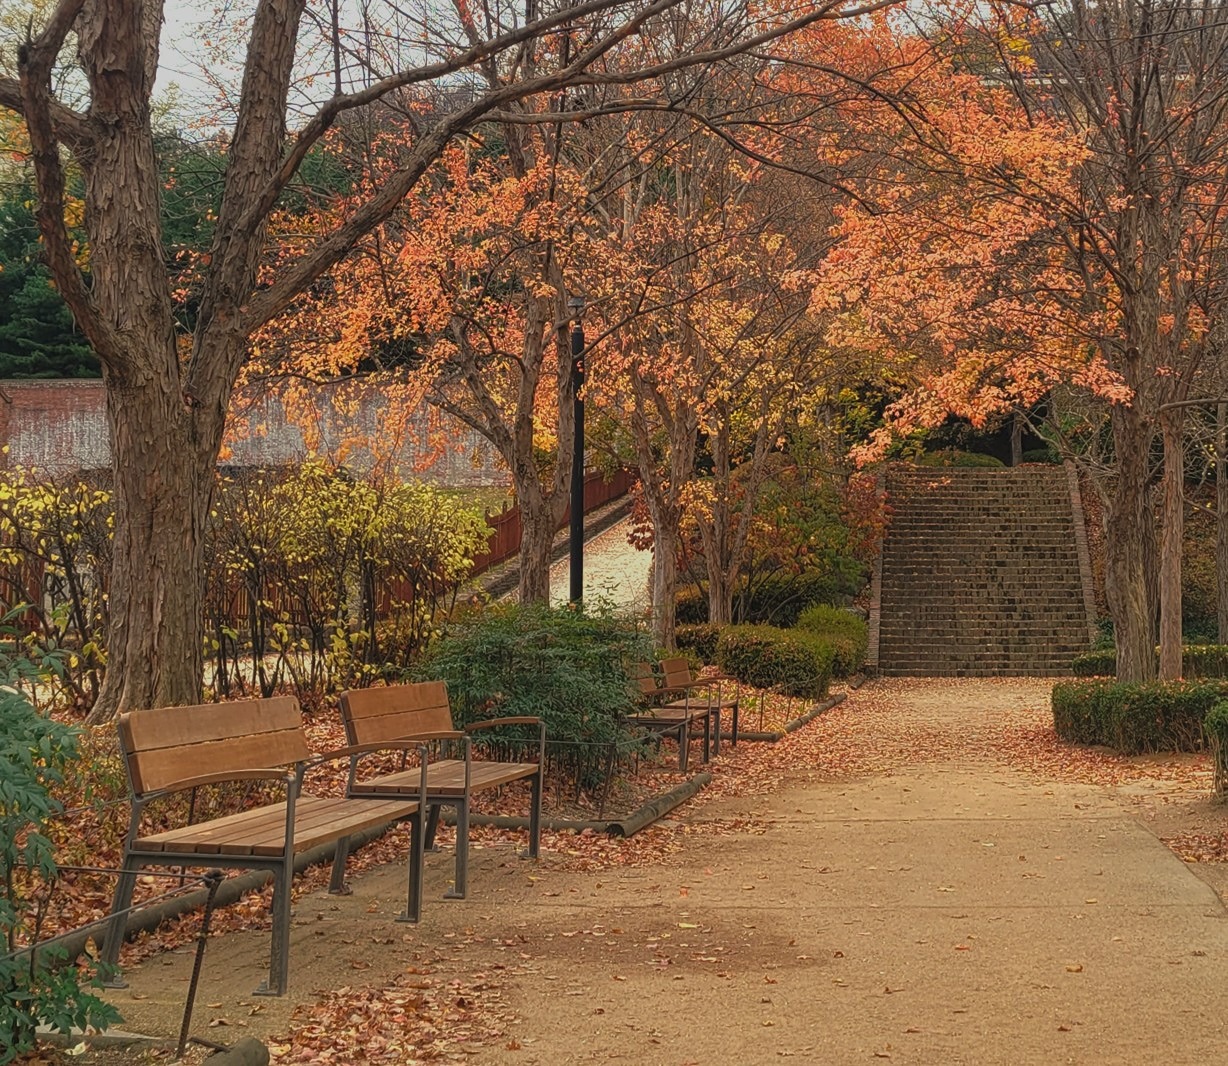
x: 1197, y: 660
x: 848, y: 634
x: 1216, y: 727
x: 699, y: 637
x: 1134, y: 718
x: 794, y: 662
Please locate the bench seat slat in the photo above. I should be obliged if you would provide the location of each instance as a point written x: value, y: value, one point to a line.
x: 702, y: 702
x: 261, y: 831
x: 447, y: 778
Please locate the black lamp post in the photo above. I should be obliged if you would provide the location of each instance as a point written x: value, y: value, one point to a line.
x: 576, y: 534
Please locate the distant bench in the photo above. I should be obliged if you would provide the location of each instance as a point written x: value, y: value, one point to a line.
x: 421, y: 713
x: 173, y: 749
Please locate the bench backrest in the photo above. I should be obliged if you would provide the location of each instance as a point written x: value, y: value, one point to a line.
x: 170, y: 744
x: 372, y: 715
x: 644, y: 677
x: 677, y: 672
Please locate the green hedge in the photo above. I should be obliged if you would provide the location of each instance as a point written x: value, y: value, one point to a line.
x: 1102, y: 663
x: 699, y: 637
x: 1205, y: 660
x: 849, y: 635
x: 954, y: 457
x: 779, y: 599
x: 568, y: 666
x: 1216, y: 727
x: 1198, y: 660
x: 792, y: 661
x: 1134, y: 718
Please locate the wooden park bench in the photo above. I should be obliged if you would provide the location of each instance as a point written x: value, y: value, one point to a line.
x: 421, y: 713
x: 709, y: 691
x: 174, y: 749
x: 700, y: 706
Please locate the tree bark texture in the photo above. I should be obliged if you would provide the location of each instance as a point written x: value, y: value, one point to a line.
x: 1221, y: 520
x: 1172, y: 426
x: 1130, y: 536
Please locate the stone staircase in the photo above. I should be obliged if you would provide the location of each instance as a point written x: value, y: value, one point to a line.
x: 981, y: 574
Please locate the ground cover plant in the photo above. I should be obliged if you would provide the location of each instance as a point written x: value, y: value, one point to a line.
x: 569, y: 666
x: 44, y: 986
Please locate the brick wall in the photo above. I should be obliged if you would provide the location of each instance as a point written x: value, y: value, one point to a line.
x: 60, y: 426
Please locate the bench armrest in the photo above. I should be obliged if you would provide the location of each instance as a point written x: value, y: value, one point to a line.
x: 400, y: 744
x: 442, y: 734
x: 489, y: 722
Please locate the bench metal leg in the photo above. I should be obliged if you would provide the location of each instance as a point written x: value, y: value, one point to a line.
x: 715, y: 716
x: 432, y: 824
x: 118, y: 924
x: 535, y: 817
x: 708, y: 737
x: 279, y: 952
x: 336, y: 883
x: 461, y: 885
x: 417, y: 833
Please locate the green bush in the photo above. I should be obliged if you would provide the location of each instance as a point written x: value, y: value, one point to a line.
x: 778, y: 598
x: 952, y: 457
x: 570, y: 667
x: 848, y: 634
x: 795, y: 662
x: 1047, y: 454
x: 1216, y: 727
x: 1197, y: 661
x: 1204, y: 660
x: 1102, y: 663
x: 691, y: 606
x: 35, y: 753
x: 700, y: 637
x: 1134, y: 718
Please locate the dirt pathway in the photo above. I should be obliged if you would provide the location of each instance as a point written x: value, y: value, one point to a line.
x: 902, y: 892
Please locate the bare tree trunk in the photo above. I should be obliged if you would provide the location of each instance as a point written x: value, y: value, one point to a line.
x: 1221, y: 520
x: 664, y: 581
x: 537, y: 527
x: 1130, y: 529
x: 1172, y: 425
x: 163, y: 481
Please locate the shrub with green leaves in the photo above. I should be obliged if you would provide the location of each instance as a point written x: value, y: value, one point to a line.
x: 1101, y: 663
x: 42, y: 987
x: 791, y: 661
x: 701, y: 638
x: 568, y: 666
x: 1197, y: 661
x: 777, y: 598
x: 849, y: 635
x: 1135, y: 718
x: 1216, y: 727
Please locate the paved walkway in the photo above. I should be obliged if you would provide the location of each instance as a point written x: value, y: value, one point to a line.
x: 614, y: 572
x: 943, y: 909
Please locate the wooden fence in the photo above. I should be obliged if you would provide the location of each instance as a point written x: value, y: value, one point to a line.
x: 505, y: 526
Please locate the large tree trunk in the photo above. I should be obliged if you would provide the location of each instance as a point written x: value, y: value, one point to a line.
x: 664, y: 581
x: 163, y: 479
x: 1130, y: 532
x: 537, y: 526
x: 1172, y: 425
x: 1221, y: 520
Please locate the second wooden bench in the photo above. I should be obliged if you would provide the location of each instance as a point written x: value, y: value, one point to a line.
x: 421, y: 713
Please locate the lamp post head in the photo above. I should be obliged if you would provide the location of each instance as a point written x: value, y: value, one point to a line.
x: 575, y: 304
